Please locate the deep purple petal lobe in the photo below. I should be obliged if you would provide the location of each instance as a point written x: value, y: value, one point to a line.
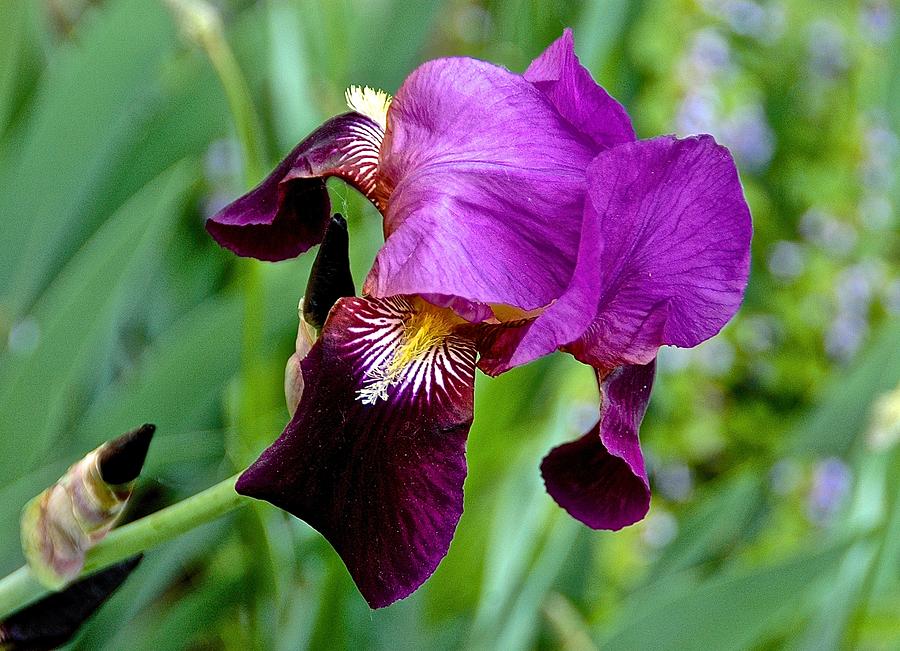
x: 600, y: 479
x: 489, y: 184
x: 672, y: 248
x: 374, y: 458
x: 288, y: 212
x: 587, y: 106
x: 55, y: 619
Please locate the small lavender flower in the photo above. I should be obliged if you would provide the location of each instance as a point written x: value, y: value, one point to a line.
x: 709, y: 56
x: 845, y: 336
x: 827, y: 49
x: 829, y: 233
x: 831, y: 484
x: 698, y: 112
x: 715, y: 356
x: 877, y: 18
x: 759, y: 333
x: 745, y: 17
x: 787, y: 260
x: 748, y: 134
x: 674, y: 481
x: 659, y: 529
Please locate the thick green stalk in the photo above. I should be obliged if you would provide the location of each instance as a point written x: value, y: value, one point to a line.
x: 21, y: 588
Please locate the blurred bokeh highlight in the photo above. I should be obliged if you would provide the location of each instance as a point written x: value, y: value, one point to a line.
x: 772, y: 449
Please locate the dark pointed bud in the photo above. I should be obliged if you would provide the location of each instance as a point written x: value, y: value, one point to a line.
x: 54, y: 620
x: 61, y: 524
x: 330, y: 278
x: 120, y: 460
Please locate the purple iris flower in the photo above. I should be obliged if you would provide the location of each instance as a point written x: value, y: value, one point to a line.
x: 521, y: 216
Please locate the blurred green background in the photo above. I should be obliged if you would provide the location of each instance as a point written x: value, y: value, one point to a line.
x: 772, y: 450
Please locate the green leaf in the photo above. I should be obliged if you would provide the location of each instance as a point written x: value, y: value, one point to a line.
x: 73, y: 323
x: 599, y: 28
x: 180, y: 377
x: 729, y: 611
x: 844, y: 409
x: 88, y: 102
x: 713, y: 524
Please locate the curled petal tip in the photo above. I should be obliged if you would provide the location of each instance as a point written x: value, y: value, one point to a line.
x: 120, y: 461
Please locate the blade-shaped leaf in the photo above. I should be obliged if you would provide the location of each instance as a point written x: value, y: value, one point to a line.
x: 73, y: 323
x: 729, y: 611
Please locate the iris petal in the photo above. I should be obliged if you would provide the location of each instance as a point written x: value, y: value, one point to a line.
x: 488, y: 186
x: 600, y: 479
x: 585, y: 104
x: 674, y: 254
x: 381, y: 479
x: 289, y: 211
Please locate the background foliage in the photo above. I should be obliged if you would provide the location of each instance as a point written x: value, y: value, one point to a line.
x: 776, y: 515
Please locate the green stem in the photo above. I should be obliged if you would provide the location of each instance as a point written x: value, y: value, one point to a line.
x: 202, y: 23
x: 18, y: 589
x: 21, y: 588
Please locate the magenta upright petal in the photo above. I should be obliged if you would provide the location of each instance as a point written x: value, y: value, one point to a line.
x: 488, y: 185
x: 672, y: 253
x: 600, y: 479
x: 287, y: 213
x: 585, y: 104
x: 376, y: 466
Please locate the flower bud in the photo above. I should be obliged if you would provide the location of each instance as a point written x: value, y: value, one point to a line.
x: 293, y: 376
x: 329, y: 279
x: 61, y: 524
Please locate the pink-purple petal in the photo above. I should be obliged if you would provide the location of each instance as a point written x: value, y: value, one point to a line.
x: 600, y: 478
x: 673, y: 250
x: 287, y: 213
x: 585, y: 104
x: 382, y: 482
x: 488, y: 184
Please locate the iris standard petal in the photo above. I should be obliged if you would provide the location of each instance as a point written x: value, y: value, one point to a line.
x: 374, y: 457
x: 673, y: 253
x: 585, y: 104
x: 288, y: 212
x: 488, y: 183
x: 600, y: 479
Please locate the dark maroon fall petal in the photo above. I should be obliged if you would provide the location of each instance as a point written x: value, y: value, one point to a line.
x: 382, y: 477
x: 600, y: 479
